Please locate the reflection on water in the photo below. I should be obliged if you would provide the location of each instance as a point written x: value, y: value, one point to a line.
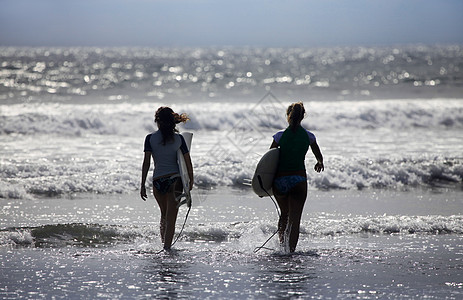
x: 166, y: 277
x: 216, y: 272
x: 340, y: 255
x: 354, y: 266
x: 287, y: 275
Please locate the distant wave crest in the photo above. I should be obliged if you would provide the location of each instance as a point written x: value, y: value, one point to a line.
x: 127, y: 119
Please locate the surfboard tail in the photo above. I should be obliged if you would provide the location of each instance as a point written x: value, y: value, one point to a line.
x: 262, y: 180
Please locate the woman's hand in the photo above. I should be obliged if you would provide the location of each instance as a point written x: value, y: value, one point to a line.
x: 143, y: 193
x: 191, y: 184
x: 319, y: 167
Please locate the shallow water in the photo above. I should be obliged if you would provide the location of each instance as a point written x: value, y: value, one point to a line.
x: 363, y: 245
x: 367, y: 266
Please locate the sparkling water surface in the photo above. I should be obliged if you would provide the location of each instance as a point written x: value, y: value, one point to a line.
x: 383, y: 221
x: 341, y: 254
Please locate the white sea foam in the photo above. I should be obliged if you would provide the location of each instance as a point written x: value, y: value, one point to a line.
x: 55, y: 149
x: 245, y: 233
x: 128, y: 119
x: 16, y: 238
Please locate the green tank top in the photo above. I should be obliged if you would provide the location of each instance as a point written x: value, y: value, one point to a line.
x: 293, y: 148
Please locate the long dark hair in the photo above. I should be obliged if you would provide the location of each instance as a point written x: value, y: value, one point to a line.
x: 166, y: 119
x: 295, y: 114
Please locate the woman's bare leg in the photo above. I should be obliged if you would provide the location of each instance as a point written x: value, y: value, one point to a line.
x: 168, y: 205
x: 282, y: 201
x: 162, y: 202
x: 296, y: 201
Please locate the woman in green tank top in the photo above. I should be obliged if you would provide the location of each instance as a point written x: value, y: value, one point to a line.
x: 290, y: 183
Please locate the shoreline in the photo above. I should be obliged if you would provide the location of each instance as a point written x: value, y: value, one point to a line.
x: 221, y: 204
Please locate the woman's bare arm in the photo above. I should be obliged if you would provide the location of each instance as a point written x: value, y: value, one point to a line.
x: 144, y: 173
x: 318, y: 155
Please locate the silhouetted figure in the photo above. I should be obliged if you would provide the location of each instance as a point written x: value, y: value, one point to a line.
x: 290, y: 183
x: 162, y: 145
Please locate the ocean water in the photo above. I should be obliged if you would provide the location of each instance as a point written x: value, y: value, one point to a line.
x: 383, y: 221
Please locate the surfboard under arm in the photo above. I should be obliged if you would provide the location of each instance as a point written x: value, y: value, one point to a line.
x: 185, y: 197
x: 265, y: 172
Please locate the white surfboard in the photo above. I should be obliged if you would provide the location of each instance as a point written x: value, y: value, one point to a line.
x: 265, y: 170
x: 185, y: 197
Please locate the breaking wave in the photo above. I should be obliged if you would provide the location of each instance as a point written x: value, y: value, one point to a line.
x: 95, y: 235
x: 127, y: 119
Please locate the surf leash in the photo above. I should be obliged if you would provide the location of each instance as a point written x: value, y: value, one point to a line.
x: 273, y: 200
x: 278, y: 211
x: 183, y: 226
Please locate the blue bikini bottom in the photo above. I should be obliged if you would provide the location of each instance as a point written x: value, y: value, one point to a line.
x: 285, y: 183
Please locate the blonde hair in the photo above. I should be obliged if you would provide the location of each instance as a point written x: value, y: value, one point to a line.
x: 295, y: 113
